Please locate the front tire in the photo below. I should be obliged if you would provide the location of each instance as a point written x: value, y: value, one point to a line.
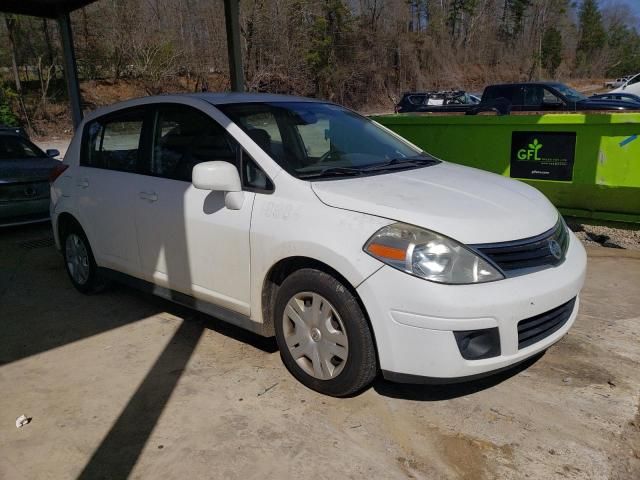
x: 323, y: 335
x: 79, y: 261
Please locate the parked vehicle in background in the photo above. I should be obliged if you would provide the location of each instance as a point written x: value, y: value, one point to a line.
x: 301, y: 219
x: 632, y: 85
x: 618, y: 82
x: 441, y: 101
x: 626, y: 97
x: 549, y: 96
x: 16, y: 130
x: 24, y: 179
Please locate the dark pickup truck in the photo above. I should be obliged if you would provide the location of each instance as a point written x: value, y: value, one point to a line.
x: 543, y: 96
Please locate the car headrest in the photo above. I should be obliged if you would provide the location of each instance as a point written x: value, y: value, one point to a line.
x: 262, y: 138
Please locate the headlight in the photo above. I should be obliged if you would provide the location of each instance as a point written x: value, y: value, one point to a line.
x: 429, y: 255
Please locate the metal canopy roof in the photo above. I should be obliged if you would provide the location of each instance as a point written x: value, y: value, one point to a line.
x: 42, y: 8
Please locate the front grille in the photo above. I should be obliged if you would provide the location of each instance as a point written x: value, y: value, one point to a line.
x: 530, y: 253
x: 534, y: 329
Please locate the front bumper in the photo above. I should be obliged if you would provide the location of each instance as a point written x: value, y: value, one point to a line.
x: 413, y: 319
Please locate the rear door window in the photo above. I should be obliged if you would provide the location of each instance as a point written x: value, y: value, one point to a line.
x: 416, y: 99
x: 113, y: 142
x: 533, y: 96
x: 498, y: 92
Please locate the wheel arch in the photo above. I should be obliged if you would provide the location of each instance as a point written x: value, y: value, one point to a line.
x: 285, y: 267
x: 64, y: 222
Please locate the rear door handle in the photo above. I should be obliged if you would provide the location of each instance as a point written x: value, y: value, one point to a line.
x: 84, y: 183
x: 150, y: 196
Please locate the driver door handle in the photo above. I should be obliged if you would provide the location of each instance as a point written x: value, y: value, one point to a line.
x: 84, y: 183
x: 150, y: 196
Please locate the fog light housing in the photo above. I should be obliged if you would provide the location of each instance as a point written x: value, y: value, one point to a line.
x: 478, y: 344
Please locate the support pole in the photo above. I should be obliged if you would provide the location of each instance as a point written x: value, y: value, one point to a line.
x: 70, y: 68
x: 232, y: 22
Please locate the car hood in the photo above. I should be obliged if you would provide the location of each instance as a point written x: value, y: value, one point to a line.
x: 26, y: 170
x: 466, y: 204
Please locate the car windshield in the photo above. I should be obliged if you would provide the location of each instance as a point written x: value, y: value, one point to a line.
x: 315, y: 140
x: 569, y: 93
x: 13, y: 147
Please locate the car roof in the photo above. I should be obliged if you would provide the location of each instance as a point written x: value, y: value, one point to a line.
x: 238, y: 97
x: 211, y: 98
x: 516, y: 84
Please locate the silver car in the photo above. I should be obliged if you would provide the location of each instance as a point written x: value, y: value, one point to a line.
x: 24, y: 179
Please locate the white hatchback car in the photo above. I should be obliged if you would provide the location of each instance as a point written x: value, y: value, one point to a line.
x: 301, y: 219
x: 630, y: 85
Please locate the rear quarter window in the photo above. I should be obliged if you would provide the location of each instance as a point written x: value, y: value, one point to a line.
x: 497, y: 92
x: 416, y: 99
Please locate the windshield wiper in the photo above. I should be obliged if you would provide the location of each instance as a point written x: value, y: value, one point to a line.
x: 393, y: 164
x: 397, y: 163
x: 332, y: 172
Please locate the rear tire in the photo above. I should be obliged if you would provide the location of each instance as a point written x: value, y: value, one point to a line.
x: 323, y: 335
x: 79, y: 261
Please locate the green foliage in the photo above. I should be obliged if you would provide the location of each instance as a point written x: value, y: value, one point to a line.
x: 513, y: 15
x: 7, y: 117
x: 459, y: 10
x: 593, y: 36
x: 624, y: 44
x: 327, y: 31
x: 551, y: 50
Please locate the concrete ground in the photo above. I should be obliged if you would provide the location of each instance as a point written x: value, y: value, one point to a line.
x: 123, y: 384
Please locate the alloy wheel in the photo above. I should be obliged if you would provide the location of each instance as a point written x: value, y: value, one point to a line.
x: 77, y: 258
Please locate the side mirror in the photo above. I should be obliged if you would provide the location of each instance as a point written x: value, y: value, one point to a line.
x: 219, y: 176
x: 52, y: 152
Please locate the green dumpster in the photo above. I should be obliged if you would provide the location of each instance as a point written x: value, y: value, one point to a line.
x: 587, y: 164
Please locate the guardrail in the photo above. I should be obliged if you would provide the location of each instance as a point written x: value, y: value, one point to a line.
x: 587, y: 164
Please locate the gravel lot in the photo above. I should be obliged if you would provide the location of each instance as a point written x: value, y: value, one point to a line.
x: 605, y: 234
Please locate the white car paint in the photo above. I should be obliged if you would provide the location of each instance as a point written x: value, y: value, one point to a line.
x: 114, y: 237
x: 185, y: 239
x: 472, y: 206
x: 631, y: 85
x: 186, y: 219
x: 408, y: 324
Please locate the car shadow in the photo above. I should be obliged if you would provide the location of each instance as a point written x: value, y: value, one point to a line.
x: 265, y: 344
x: 120, y: 449
x: 441, y: 392
x: 41, y: 311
